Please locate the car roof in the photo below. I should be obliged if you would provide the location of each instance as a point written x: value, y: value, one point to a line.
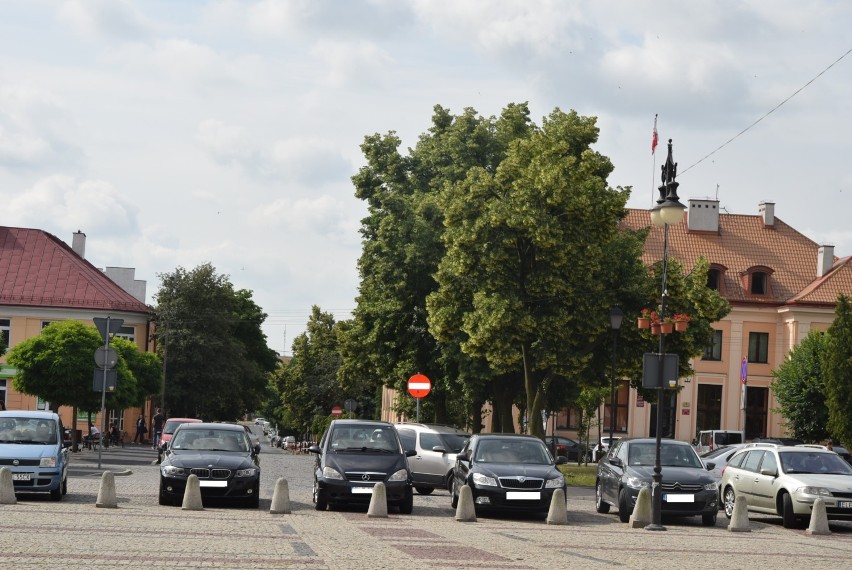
x: 187, y: 420
x: 354, y: 422
x: 211, y: 425
x: 654, y: 441
x: 28, y: 414
x: 507, y: 436
x: 440, y: 428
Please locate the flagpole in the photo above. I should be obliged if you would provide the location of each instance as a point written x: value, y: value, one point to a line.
x: 654, y: 139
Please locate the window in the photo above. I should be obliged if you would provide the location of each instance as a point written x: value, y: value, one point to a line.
x: 714, y: 279
x: 569, y: 419
x: 44, y: 324
x: 758, y: 347
x: 128, y: 333
x: 708, y: 409
x: 5, y: 333
x: 753, y: 461
x: 758, y: 283
x: 428, y: 441
x: 769, y: 462
x: 407, y: 437
x: 713, y: 351
x: 622, y: 396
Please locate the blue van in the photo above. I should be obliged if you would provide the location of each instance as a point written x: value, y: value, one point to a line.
x: 32, y: 447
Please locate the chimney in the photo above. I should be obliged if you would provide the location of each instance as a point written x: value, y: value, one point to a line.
x: 825, y: 259
x: 703, y: 215
x: 78, y: 244
x: 767, y: 210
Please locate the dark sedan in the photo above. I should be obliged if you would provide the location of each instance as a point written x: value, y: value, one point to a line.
x: 220, y: 455
x: 688, y: 487
x: 507, y: 472
x: 352, y: 457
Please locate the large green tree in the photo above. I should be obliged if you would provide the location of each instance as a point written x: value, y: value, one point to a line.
x: 837, y: 368
x: 798, y: 385
x: 209, y: 336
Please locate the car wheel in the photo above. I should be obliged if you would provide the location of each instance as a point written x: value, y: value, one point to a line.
x: 320, y: 500
x: 425, y: 490
x: 788, y: 517
x: 729, y: 501
x: 623, y: 506
x: 56, y: 494
x: 406, y: 507
x: 601, y: 506
x: 165, y: 499
x: 708, y: 519
x: 65, y: 485
x: 454, y: 500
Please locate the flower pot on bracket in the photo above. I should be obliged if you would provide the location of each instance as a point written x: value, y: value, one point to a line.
x: 666, y: 328
x: 655, y: 328
x: 644, y: 323
x: 681, y: 326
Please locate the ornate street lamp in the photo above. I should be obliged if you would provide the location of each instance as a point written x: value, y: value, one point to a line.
x: 668, y: 211
x: 616, y: 316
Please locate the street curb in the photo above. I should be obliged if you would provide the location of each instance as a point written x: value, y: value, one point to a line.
x: 97, y: 472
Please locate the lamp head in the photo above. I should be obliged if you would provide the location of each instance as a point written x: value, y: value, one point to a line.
x: 616, y: 316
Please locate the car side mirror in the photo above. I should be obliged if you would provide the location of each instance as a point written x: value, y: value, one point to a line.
x: 769, y: 472
x: 315, y: 449
x: 256, y: 449
x: 463, y: 456
x: 615, y: 461
x: 410, y: 452
x: 439, y: 449
x: 66, y: 444
x: 711, y: 466
x: 561, y: 460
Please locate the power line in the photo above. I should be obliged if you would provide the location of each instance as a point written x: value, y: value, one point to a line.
x: 799, y: 90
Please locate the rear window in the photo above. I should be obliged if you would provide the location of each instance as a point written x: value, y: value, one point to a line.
x: 729, y: 438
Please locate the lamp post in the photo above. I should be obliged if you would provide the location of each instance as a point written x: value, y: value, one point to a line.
x: 616, y: 316
x: 668, y: 211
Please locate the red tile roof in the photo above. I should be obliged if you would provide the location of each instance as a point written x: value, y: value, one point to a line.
x: 744, y: 242
x: 37, y: 269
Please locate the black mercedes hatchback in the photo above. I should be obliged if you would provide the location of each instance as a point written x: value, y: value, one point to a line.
x: 220, y: 455
x: 352, y: 457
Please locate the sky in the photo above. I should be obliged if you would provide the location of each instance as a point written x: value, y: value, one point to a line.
x: 175, y: 133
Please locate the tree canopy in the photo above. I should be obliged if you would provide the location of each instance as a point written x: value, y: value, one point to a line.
x: 837, y: 367
x: 799, y: 387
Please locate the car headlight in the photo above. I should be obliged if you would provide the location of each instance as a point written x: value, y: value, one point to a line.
x: 821, y: 491
x: 401, y: 475
x: 172, y: 471
x: 485, y: 480
x: 331, y: 473
x: 47, y: 461
x: 245, y: 472
x: 637, y: 482
x: 555, y: 483
x: 711, y: 486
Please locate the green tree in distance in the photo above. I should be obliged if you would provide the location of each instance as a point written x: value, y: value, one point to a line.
x: 837, y: 368
x: 798, y: 385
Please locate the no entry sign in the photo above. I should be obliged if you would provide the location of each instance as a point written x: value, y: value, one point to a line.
x: 419, y: 386
x: 336, y: 411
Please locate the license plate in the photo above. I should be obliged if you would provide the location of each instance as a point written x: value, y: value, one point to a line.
x: 364, y: 490
x: 522, y: 496
x: 844, y: 504
x: 21, y: 476
x: 678, y: 498
x: 204, y: 483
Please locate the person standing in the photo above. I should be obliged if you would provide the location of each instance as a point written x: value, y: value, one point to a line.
x: 158, y: 422
x: 140, y: 430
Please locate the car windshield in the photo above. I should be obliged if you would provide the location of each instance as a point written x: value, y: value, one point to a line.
x: 364, y: 438
x: 27, y: 430
x: 210, y: 440
x: 454, y: 441
x: 822, y: 463
x: 671, y: 455
x: 512, y: 451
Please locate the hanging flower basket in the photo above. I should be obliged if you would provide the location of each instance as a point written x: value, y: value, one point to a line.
x: 655, y: 328
x: 681, y: 326
x: 644, y: 322
x: 667, y: 327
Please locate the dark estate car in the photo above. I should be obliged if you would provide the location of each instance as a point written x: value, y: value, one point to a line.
x: 352, y: 457
x: 507, y: 472
x: 220, y: 455
x: 688, y: 487
x: 564, y: 447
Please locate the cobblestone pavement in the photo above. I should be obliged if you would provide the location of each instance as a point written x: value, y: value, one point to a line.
x: 39, y: 533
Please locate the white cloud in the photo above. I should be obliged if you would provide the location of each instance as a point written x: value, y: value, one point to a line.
x: 96, y: 19
x: 359, y: 62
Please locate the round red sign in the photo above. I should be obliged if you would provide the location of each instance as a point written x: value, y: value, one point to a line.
x: 419, y: 386
x: 336, y: 411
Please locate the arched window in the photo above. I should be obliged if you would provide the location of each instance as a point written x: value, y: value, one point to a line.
x: 758, y: 280
x: 716, y: 276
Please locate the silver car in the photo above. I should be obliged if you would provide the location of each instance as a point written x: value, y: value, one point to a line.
x: 786, y: 480
x: 436, y: 446
x: 719, y: 457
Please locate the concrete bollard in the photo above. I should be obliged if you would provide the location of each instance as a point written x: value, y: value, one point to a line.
x: 378, y: 502
x: 819, y: 519
x: 641, y: 515
x: 106, y: 492
x: 558, y: 513
x: 739, y: 519
x: 192, y: 495
x: 465, y: 512
x: 7, y: 488
x: 280, y: 498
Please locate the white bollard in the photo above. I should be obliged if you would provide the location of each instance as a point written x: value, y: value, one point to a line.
x: 465, y: 511
x: 106, y: 493
x: 280, y: 498
x: 641, y: 515
x: 558, y: 513
x: 378, y: 502
x: 819, y: 519
x: 7, y: 487
x: 739, y: 519
x: 192, y: 495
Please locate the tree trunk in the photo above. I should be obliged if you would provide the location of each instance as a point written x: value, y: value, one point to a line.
x: 535, y: 398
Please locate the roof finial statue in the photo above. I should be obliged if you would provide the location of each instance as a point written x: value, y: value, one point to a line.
x: 668, y: 188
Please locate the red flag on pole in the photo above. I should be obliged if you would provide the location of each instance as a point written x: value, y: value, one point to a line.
x: 654, y: 137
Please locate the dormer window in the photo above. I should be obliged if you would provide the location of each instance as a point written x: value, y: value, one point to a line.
x: 716, y: 276
x: 758, y: 281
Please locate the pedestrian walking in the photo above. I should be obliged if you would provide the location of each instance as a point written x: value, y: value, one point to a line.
x: 158, y: 422
x: 141, y: 429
